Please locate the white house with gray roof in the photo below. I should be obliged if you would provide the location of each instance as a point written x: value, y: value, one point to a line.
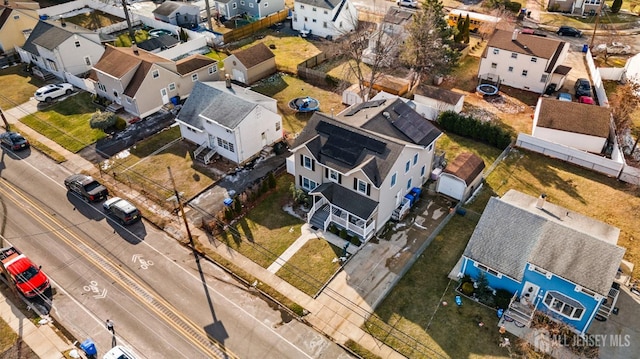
x: 551, y: 258
x: 360, y: 164
x: 324, y: 18
x: 229, y: 120
x: 178, y: 13
x: 256, y: 9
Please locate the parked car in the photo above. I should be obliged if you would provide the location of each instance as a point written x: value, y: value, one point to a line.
x: 122, y: 210
x: 86, y: 187
x: 583, y: 88
x: 119, y: 352
x: 49, y: 92
x: 14, y: 141
x: 587, y: 100
x: 615, y: 48
x: 563, y: 96
x: 408, y: 3
x: 569, y: 31
x: 27, y: 277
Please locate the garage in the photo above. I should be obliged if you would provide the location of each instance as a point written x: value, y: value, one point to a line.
x: 461, y: 177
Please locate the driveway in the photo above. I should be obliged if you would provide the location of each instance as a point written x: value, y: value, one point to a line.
x: 621, y: 332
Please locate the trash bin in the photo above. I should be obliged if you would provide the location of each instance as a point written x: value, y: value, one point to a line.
x: 461, y: 211
x: 89, y: 347
x: 585, y: 48
x: 175, y: 100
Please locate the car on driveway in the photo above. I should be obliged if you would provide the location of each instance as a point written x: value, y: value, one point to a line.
x: 569, y: 31
x: 14, y: 141
x: 563, y: 96
x: 123, y: 211
x: 49, y: 92
x: 408, y: 3
x: 582, y: 87
x: 86, y: 187
x: 615, y: 48
x: 586, y: 100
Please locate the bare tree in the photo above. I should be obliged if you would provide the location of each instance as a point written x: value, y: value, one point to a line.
x: 623, y: 104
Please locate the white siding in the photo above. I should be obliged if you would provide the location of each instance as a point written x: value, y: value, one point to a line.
x: 575, y: 140
x: 345, y: 22
x: 249, y: 132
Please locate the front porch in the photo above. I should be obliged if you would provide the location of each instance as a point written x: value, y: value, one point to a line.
x: 324, y: 213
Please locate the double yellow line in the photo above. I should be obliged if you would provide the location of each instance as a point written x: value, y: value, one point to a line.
x: 16, y: 196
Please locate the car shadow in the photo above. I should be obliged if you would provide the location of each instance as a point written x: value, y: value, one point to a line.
x: 90, y: 210
x: 21, y: 155
x: 133, y: 233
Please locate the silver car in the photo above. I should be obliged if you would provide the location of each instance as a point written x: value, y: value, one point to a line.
x: 49, y: 92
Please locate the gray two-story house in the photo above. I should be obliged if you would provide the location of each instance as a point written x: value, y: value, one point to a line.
x: 256, y: 9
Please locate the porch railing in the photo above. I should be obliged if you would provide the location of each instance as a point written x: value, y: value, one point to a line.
x: 316, y: 206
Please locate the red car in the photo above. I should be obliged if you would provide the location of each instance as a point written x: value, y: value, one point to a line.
x: 587, y: 100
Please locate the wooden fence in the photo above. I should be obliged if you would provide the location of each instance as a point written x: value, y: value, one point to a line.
x: 251, y: 28
x: 307, y: 73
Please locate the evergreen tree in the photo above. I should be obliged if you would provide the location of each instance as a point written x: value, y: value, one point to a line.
x: 615, y: 7
x: 465, y: 29
x: 459, y: 33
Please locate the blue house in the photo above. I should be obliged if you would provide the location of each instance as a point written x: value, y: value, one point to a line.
x: 553, y: 260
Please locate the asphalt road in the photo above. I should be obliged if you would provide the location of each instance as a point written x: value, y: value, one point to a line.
x: 163, y: 300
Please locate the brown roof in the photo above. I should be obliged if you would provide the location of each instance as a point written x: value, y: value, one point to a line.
x: 562, y: 70
x: 254, y: 55
x: 531, y: 45
x: 193, y: 63
x: 467, y: 166
x: 574, y: 117
x: 439, y: 94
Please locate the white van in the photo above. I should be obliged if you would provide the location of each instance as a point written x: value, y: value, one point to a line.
x: 119, y: 352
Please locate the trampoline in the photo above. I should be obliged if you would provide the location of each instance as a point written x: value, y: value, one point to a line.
x: 304, y: 104
x: 487, y: 89
x: 159, y: 32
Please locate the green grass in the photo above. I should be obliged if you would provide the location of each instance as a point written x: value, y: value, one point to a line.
x: 290, y: 51
x: 124, y: 40
x: 266, y: 231
x: 464, y: 76
x: 317, y: 257
x: 22, y: 86
x: 285, y: 88
x: 67, y: 122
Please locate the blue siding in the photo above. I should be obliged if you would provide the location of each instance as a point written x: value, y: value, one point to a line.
x: 505, y: 282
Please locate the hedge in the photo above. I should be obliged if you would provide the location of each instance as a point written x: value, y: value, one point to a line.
x: 470, y: 127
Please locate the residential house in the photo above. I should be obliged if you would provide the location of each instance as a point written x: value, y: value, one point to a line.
x: 141, y: 82
x: 61, y: 48
x: 324, y: 18
x: 359, y: 165
x: 255, y: 9
x: 16, y: 23
x: 251, y: 64
x: 461, y: 177
x: 178, y: 13
x: 554, y: 260
x: 385, y: 41
x: 577, y: 125
x: 430, y: 101
x: 229, y: 120
x: 576, y: 7
x: 522, y: 61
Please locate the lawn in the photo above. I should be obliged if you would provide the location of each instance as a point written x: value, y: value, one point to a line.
x: 94, y: 20
x: 67, y: 122
x: 316, y: 256
x: 464, y: 76
x: 284, y: 88
x: 267, y: 230
x: 7, y: 336
x: 290, y: 51
x: 22, y: 86
x: 453, y: 145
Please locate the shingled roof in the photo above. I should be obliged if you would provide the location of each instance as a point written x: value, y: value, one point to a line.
x: 254, y: 55
x: 514, y: 231
x: 574, y: 117
x: 193, y: 63
x: 467, y: 166
x: 439, y: 94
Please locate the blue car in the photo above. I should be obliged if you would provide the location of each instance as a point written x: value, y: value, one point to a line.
x: 563, y: 96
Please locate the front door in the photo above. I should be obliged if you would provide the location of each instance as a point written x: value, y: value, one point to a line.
x: 212, y: 141
x: 165, y: 95
x: 264, y: 139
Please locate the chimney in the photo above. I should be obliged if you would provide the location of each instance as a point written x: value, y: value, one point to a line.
x: 134, y: 47
x: 514, y: 36
x: 227, y: 80
x: 541, y: 201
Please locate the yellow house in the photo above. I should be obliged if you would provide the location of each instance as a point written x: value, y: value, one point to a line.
x: 16, y: 23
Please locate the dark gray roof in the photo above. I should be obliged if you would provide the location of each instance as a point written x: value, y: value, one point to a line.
x: 325, y: 4
x: 161, y: 42
x: 350, y: 201
x: 513, y: 232
x: 167, y: 8
x: 50, y: 36
x: 343, y: 147
x: 222, y: 107
x: 439, y: 94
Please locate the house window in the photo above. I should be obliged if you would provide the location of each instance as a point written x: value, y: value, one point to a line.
x: 194, y: 77
x: 234, y: 6
x: 155, y: 74
x: 313, y: 9
x: 415, y: 159
x: 265, y: 4
x: 308, y: 184
x: 494, y: 65
x: 496, y: 51
x: 534, y: 59
x: 307, y: 162
x: 226, y: 145
x: 324, y: 24
x: 362, y: 187
x: 543, y: 78
x: 409, y: 183
x: 102, y: 87
x: 242, y: 2
x: 407, y: 166
x: 563, y: 305
x: 341, y: 24
x: 302, y: 6
x: 128, y: 99
x: 423, y: 170
x: 115, y: 94
x: 487, y: 269
x: 33, y: 57
x: 306, y: 19
x: 87, y: 60
x: 251, y: 5
x: 213, y: 70
x: 525, y: 72
x: 514, y: 55
x: 430, y: 147
x: 172, y: 86
x: 77, y: 43
x: 314, y: 20
x: 52, y: 65
x: 394, y: 178
x: 16, y: 17
x: 277, y: 126
x: 334, y: 176
x: 510, y: 68
x: 586, y: 291
x: 326, y: 12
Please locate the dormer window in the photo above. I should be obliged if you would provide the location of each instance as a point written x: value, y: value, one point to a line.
x: 155, y: 74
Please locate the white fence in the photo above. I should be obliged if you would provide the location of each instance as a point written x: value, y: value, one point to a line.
x: 81, y: 83
x: 57, y: 10
x: 121, y: 26
x: 598, y: 86
x: 184, y: 48
x: 611, y: 73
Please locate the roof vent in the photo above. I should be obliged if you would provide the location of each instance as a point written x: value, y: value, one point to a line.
x: 514, y: 36
x: 134, y: 47
x: 227, y: 80
x: 387, y: 115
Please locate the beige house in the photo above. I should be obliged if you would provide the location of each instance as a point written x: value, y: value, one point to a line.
x: 250, y: 65
x: 359, y: 165
x: 141, y: 83
x: 16, y: 24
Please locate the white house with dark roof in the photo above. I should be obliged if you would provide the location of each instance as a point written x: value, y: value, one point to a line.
x: 324, y: 18
x: 522, y: 61
x: 577, y: 125
x: 178, y: 13
x: 229, y: 120
x: 461, y: 177
x: 360, y: 164
x: 430, y: 101
x: 552, y: 259
x: 384, y: 43
x: 59, y: 49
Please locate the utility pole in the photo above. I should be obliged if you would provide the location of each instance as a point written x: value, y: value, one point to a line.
x: 206, y: 5
x: 184, y: 217
x: 132, y: 35
x: 595, y: 28
x: 4, y: 119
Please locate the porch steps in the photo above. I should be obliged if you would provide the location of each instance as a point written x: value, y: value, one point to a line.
x: 114, y: 107
x: 204, y: 154
x: 266, y: 151
x: 319, y: 217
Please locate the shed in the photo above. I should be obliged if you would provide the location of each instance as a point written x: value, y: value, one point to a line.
x: 178, y: 13
x: 461, y: 177
x: 251, y: 64
x: 431, y: 101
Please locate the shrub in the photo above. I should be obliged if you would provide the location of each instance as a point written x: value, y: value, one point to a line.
x: 343, y: 233
x: 333, y: 229
x: 355, y: 240
x: 513, y: 6
x: 237, y: 205
x: 615, y: 7
x: 502, y: 298
x: 102, y: 120
x: 121, y: 124
x: 470, y: 127
x: 467, y: 288
x: 271, y: 180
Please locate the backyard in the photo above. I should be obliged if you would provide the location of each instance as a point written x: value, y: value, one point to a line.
x: 93, y: 19
x: 22, y: 86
